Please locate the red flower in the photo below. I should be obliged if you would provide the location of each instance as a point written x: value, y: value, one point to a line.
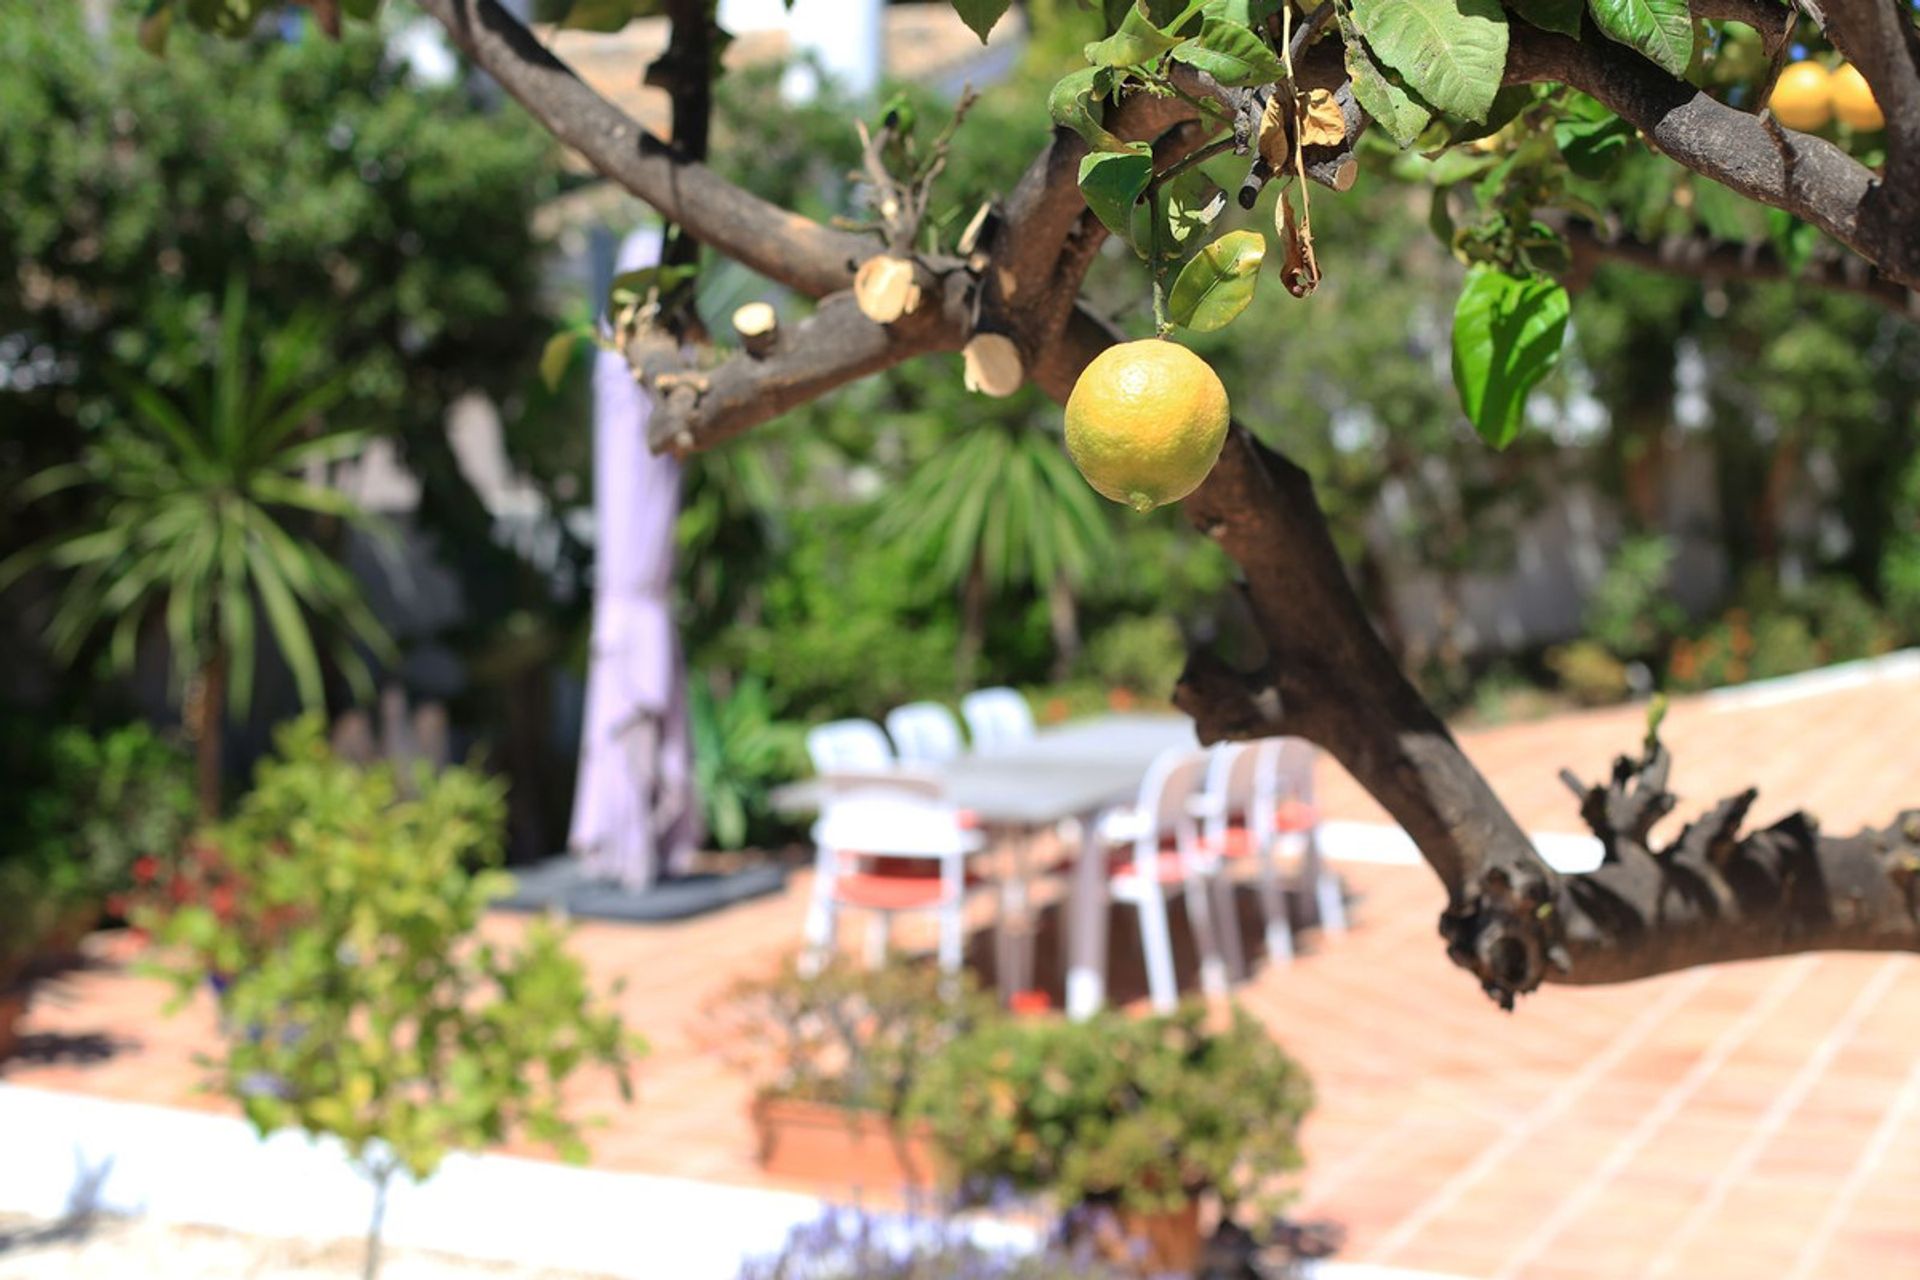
x: 145, y: 869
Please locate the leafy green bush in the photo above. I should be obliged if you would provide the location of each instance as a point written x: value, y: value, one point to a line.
x: 27, y: 916
x: 359, y: 1000
x: 1630, y: 611
x: 1777, y: 634
x: 83, y: 810
x: 741, y: 752
x: 1589, y: 672
x: 1144, y: 654
x: 844, y: 1035
x: 1147, y: 1111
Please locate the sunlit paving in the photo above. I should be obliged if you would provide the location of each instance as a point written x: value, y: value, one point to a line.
x: 846, y: 640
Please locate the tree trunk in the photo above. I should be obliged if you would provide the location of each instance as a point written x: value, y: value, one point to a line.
x: 382, y: 1175
x: 1063, y: 613
x: 208, y: 715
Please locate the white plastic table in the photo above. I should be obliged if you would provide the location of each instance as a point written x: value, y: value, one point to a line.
x: 1078, y: 771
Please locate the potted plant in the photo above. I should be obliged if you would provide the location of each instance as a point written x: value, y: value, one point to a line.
x: 841, y: 1047
x: 1147, y: 1117
x: 341, y: 908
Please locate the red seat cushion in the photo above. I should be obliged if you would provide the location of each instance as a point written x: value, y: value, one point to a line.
x: 894, y: 884
x: 1237, y: 843
x: 1168, y: 865
x: 1296, y: 815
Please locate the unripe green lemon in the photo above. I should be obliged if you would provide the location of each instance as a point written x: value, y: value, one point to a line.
x: 1145, y: 422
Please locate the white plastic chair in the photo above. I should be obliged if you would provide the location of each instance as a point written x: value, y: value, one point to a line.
x: 1156, y: 844
x: 844, y: 746
x: 888, y: 845
x: 1258, y: 797
x: 1287, y: 766
x: 924, y: 733
x: 997, y: 719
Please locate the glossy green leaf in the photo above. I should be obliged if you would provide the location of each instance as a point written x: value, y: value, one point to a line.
x: 1193, y: 202
x: 980, y: 15
x: 1075, y: 102
x: 632, y: 286
x: 1112, y: 182
x: 1218, y: 284
x: 1381, y: 96
x: 1507, y: 334
x: 1231, y: 54
x: 1592, y: 147
x: 1453, y: 53
x: 1661, y: 29
x: 1137, y: 41
x: 557, y: 357
x: 1552, y: 15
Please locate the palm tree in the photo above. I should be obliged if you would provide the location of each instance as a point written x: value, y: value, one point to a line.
x: 200, y: 508
x: 996, y: 507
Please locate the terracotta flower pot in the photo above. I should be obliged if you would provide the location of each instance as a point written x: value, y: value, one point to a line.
x: 815, y: 1142
x: 1166, y: 1242
x: 13, y: 1007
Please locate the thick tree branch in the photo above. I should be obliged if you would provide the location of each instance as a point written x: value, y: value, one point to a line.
x: 1713, y: 895
x: 1708, y: 259
x: 697, y: 409
x: 782, y: 246
x: 1753, y: 155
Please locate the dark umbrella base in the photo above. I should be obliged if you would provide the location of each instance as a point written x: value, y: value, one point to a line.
x: 562, y: 882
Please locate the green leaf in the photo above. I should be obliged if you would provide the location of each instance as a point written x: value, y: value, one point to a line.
x: 1136, y: 42
x: 1552, y: 15
x: 632, y: 286
x: 1231, y: 54
x: 1507, y: 332
x: 1379, y: 95
x: 1193, y: 202
x: 1218, y: 284
x: 1112, y: 182
x: 599, y: 15
x: 1592, y: 147
x: 1661, y: 29
x: 1075, y: 103
x: 557, y: 357
x: 155, y: 27
x: 980, y: 15
x: 1451, y: 52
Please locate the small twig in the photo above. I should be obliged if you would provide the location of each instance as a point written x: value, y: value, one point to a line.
x: 1194, y: 159
x: 1310, y: 30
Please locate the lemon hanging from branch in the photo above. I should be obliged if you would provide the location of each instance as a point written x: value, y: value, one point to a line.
x: 1146, y: 421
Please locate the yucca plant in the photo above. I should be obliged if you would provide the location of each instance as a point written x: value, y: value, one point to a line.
x: 201, y: 516
x: 1001, y: 506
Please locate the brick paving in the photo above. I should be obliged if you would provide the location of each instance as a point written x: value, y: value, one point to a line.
x: 1751, y: 1120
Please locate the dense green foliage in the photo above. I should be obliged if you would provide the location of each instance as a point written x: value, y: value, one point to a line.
x: 84, y: 808
x: 1147, y: 1111
x: 843, y: 1035
x: 193, y: 500
x: 339, y: 911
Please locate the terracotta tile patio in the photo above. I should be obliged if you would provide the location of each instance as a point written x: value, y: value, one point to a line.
x: 1754, y: 1120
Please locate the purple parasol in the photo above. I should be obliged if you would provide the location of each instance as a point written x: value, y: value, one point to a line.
x: 635, y: 814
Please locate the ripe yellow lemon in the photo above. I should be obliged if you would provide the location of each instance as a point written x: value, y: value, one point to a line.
x: 1803, y: 97
x: 1853, y: 99
x: 1146, y: 421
